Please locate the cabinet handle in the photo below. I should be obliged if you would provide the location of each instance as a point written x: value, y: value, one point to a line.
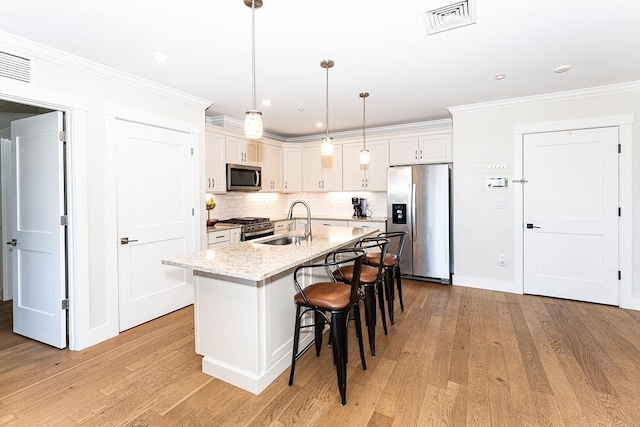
x: 213, y: 180
x: 416, y: 154
x: 420, y: 154
x: 286, y: 185
x: 319, y: 184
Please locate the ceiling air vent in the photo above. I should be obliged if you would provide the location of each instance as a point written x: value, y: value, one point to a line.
x: 15, y: 67
x: 445, y: 18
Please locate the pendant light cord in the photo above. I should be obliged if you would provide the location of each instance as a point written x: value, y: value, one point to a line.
x: 253, y: 54
x: 364, y: 109
x: 327, y: 102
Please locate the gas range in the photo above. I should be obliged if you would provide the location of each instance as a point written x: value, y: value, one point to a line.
x: 252, y: 227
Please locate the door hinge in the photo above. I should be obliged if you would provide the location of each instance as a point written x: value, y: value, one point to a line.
x: 519, y: 181
x: 62, y: 136
x: 619, y: 275
x: 619, y: 211
x: 619, y: 148
x: 64, y: 220
x: 65, y: 304
x: 193, y: 212
x: 192, y: 151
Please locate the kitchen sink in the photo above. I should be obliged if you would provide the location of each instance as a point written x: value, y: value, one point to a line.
x: 283, y: 240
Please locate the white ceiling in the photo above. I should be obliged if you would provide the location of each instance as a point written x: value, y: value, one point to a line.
x: 378, y: 46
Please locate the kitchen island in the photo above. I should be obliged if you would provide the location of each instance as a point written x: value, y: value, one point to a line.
x: 244, y: 310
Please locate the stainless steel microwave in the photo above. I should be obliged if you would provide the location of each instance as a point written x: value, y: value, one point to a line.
x: 244, y: 178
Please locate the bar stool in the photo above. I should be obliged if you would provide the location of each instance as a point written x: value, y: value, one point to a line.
x: 337, y: 298
x: 391, y: 264
x: 370, y: 281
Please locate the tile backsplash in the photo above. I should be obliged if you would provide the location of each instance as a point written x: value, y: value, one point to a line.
x: 276, y: 205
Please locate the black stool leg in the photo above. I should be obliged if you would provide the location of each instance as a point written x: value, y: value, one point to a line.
x: 296, y: 341
x: 370, y: 315
x: 399, y: 286
x: 340, y: 351
x: 319, y: 326
x: 381, y: 305
x: 389, y: 290
x: 356, y: 318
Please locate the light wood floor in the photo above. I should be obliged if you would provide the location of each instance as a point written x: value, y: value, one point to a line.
x: 456, y: 356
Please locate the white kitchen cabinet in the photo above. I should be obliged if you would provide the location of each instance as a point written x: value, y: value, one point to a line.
x: 292, y: 158
x: 371, y: 177
x: 321, y: 173
x: 410, y: 150
x: 215, y: 162
x: 315, y: 223
x: 283, y: 226
x: 216, y: 239
x: 235, y: 235
x: 239, y: 150
x: 271, y: 162
x: 382, y: 226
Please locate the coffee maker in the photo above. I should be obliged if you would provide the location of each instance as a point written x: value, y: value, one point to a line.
x: 356, y: 207
x: 360, y: 207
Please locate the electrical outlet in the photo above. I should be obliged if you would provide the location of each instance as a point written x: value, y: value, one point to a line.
x: 498, y: 204
x: 502, y: 260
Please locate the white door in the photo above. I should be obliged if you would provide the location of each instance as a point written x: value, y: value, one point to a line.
x: 155, y: 201
x: 38, y: 255
x: 571, y: 215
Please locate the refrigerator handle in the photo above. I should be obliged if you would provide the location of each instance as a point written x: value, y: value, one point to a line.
x: 414, y: 230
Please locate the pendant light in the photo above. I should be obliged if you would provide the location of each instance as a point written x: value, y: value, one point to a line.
x: 253, y: 120
x: 326, y: 148
x: 364, y: 153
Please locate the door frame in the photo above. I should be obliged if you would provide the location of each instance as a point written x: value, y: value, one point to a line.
x: 624, y: 124
x: 75, y: 111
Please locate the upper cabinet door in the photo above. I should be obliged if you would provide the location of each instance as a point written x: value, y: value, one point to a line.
x: 312, y: 174
x: 271, y: 162
x: 353, y: 173
x: 436, y: 148
x: 404, y: 150
x: 241, y: 150
x: 376, y: 170
x: 292, y: 157
x: 215, y: 163
x: 412, y: 150
x: 332, y: 170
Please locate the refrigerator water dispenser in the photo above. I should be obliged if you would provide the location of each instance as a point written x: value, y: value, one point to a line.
x: 399, y: 215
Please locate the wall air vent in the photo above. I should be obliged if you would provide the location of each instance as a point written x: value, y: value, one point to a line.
x: 15, y: 67
x: 446, y: 18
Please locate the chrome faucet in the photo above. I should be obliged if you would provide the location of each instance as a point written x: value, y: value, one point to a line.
x: 307, y: 228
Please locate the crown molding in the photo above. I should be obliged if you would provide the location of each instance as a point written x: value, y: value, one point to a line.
x: 549, y: 97
x: 442, y: 124
x: 229, y: 123
x: 28, y: 48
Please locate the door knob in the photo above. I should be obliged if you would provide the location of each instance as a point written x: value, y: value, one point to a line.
x: 13, y: 242
x: 532, y: 226
x: 126, y: 241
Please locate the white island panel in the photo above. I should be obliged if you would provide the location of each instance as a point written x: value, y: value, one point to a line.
x: 244, y: 309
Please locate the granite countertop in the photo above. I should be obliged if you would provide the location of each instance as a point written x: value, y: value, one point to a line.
x: 252, y: 260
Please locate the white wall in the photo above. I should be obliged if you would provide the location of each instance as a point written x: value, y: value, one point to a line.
x: 484, y: 137
x: 54, y: 83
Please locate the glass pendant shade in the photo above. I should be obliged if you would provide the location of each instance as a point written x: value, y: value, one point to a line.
x: 364, y: 157
x: 326, y: 148
x: 253, y: 125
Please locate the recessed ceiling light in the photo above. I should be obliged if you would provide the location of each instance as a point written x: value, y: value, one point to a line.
x: 300, y: 108
x: 161, y: 57
x: 562, y: 69
x: 500, y: 76
x: 266, y: 102
x: 319, y: 124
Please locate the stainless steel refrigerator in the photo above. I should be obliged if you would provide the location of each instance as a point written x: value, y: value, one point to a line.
x: 419, y: 202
